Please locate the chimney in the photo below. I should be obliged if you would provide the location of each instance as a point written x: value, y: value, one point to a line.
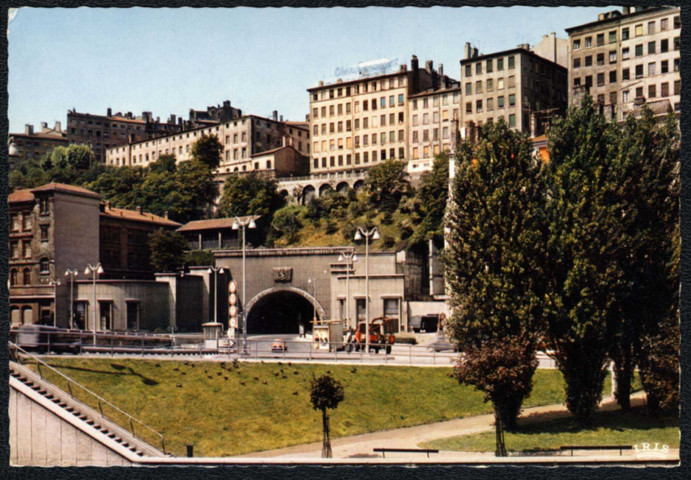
x: 416, y: 74
x: 226, y: 104
x: 414, y: 64
x: 28, y: 129
x: 129, y: 115
x: 429, y: 66
x: 467, y: 50
x: 601, y: 17
x: 440, y: 69
x: 139, y: 210
x: 475, y: 52
x: 281, y: 117
x: 109, y: 112
x: 58, y: 127
x: 165, y: 214
x: 44, y: 126
x: 626, y: 10
x: 275, y: 115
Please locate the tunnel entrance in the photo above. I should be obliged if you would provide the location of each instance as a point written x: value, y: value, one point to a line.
x: 281, y: 312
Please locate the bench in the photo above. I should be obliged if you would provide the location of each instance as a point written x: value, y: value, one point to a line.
x: 621, y: 448
x: 404, y: 450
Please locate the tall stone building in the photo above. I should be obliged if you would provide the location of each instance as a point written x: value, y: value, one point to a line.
x: 517, y: 85
x: 101, y: 132
x: 242, y: 139
x: 358, y: 123
x: 627, y: 59
x: 33, y: 145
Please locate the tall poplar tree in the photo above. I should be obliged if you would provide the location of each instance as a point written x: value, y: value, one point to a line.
x: 496, y: 235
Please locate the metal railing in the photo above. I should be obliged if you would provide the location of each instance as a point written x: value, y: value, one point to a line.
x: 16, y: 353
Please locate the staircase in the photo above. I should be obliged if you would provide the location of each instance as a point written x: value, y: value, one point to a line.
x: 89, y: 420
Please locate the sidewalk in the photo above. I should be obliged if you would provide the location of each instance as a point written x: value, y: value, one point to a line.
x: 361, y: 446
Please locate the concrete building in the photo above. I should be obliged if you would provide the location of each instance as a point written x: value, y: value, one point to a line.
x: 514, y: 85
x: 242, y: 138
x: 212, y: 115
x: 553, y: 48
x: 358, y: 123
x: 101, y: 132
x: 627, y: 59
x: 57, y: 227
x: 32, y: 145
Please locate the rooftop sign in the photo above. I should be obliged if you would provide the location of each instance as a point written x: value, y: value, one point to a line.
x: 372, y: 68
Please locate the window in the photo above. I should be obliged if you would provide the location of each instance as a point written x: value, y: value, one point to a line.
x: 512, y: 100
x: 512, y: 62
x: 468, y: 88
x: 639, y: 92
x: 664, y: 46
x: 13, y: 277
x: 392, y: 101
x: 576, y: 81
x: 638, y: 30
x: 651, y: 28
x: 468, y: 70
x: 625, y: 74
x: 664, y: 89
x: 676, y: 64
x: 489, y: 65
x: 651, y: 68
x: 589, y: 61
x: 613, y: 76
x: 600, y: 79
x: 576, y: 63
x: 512, y: 81
x: 639, y: 71
x: 613, y: 36
x: 478, y: 86
x: 625, y: 53
x: 512, y: 120
x: 652, y: 91
x: 588, y: 81
x: 382, y: 102
x: 664, y: 24
x: 490, y: 104
x: 468, y: 107
x: 600, y: 39
x: 478, y: 106
x: 44, y: 266
x: 26, y: 277
x: 26, y: 249
x: 15, y: 223
x: 625, y: 33
x: 639, y: 50
x: 588, y: 42
x: 500, y: 102
x: 500, y: 64
x: 490, y: 85
x: 677, y: 87
x: 664, y: 66
x: 677, y: 22
x: 14, y: 249
x: 600, y: 58
x: 577, y: 44
x: 44, y: 207
x: 651, y: 48
x: 677, y: 43
x: 612, y: 97
x: 625, y: 96
x: 478, y: 68
x: 44, y: 233
x: 601, y: 99
x: 500, y: 84
x: 400, y: 99
x: 613, y: 56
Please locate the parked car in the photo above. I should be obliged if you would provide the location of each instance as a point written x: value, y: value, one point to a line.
x: 45, y: 339
x: 279, y: 345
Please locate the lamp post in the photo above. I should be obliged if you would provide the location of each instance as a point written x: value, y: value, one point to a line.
x: 55, y: 284
x: 71, y: 272
x: 94, y: 271
x: 215, y: 271
x: 313, y: 282
x: 243, y: 223
x: 374, y: 235
x: 350, y: 258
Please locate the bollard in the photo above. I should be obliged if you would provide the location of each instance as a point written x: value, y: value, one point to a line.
x: 190, y: 450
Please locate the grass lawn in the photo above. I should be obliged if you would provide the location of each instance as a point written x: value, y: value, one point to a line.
x: 610, y: 428
x: 225, y: 410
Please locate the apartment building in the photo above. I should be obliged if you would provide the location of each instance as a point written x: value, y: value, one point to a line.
x: 517, y: 85
x: 434, y: 123
x: 358, y: 123
x: 101, y: 132
x: 242, y: 138
x: 33, y: 145
x: 627, y: 59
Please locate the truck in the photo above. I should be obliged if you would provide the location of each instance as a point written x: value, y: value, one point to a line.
x: 380, y: 336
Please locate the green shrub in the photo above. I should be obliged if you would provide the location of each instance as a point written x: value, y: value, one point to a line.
x: 406, y: 339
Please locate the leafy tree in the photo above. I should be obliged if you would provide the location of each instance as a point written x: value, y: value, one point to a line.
x: 248, y: 195
x: 430, y: 201
x: 167, y: 250
x: 199, y: 258
x: 286, y: 222
x: 207, y: 150
x: 325, y: 393
x: 496, y: 235
x: 387, y: 183
x: 583, y: 281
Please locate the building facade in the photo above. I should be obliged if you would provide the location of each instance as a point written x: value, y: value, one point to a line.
x: 55, y: 228
x: 32, y: 145
x: 359, y: 123
x: 513, y: 84
x: 627, y: 59
x: 242, y: 138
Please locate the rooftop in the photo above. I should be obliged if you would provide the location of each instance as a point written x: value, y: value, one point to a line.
x: 64, y: 188
x: 137, y: 215
x: 212, y: 224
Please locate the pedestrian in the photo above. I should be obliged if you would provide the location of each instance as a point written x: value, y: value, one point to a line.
x: 302, y: 330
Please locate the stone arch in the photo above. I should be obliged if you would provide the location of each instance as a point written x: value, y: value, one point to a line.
x: 324, y: 188
x: 358, y: 184
x: 264, y: 293
x: 343, y: 188
x: 283, y: 194
x: 308, y: 194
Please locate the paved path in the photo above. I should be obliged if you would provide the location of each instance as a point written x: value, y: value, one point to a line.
x: 361, y: 445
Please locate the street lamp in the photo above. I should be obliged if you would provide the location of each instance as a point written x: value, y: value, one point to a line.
x: 350, y: 258
x: 374, y: 235
x: 243, y: 223
x: 71, y: 273
x: 215, y: 271
x: 313, y: 282
x: 94, y: 271
x: 54, y: 283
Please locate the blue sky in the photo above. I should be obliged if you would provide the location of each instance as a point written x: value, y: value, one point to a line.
x: 170, y: 60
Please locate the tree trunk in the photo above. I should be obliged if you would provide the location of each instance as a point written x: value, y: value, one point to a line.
x: 623, y: 372
x: 499, y: 434
x: 326, y: 447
